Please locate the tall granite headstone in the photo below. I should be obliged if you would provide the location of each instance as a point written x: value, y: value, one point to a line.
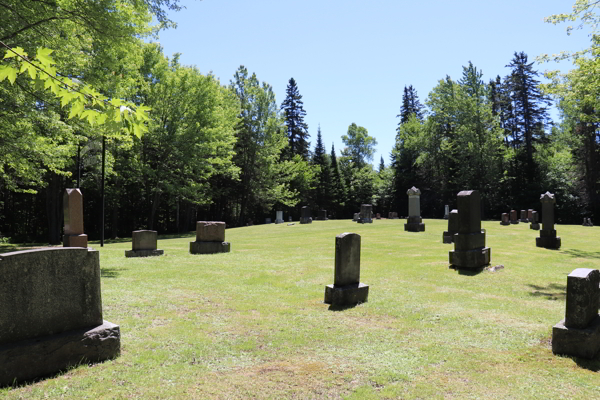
x: 305, y: 215
x: 505, y: 220
x: 524, y: 216
x: 579, y: 333
x: 448, y: 236
x: 51, y: 315
x: 414, y: 221
x: 210, y: 238
x: 469, y: 243
x: 73, y: 216
x: 366, y: 214
x: 513, y: 217
x: 548, y: 238
x: 143, y: 244
x: 346, y: 288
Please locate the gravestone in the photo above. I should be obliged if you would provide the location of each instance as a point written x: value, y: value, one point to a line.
x: 279, y: 217
x: 505, y: 220
x: 210, y: 238
x: 548, y: 238
x: 305, y: 216
x: 530, y: 215
x: 587, y: 222
x: 51, y: 314
x: 524, y: 216
x: 469, y: 243
x: 378, y: 216
x: 290, y: 218
x: 355, y: 217
x: 578, y: 334
x: 366, y: 214
x: 143, y: 244
x: 73, y: 216
x: 513, y: 217
x: 448, y: 236
x: 322, y: 215
x: 268, y: 221
x: 346, y: 288
x: 414, y: 221
x: 446, y: 211
x: 392, y: 215
x: 535, y: 221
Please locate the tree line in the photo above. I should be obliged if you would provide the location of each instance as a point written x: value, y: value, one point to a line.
x: 231, y: 152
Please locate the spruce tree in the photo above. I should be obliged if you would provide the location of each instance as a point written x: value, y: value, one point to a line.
x: 381, y: 165
x: 297, y: 129
x: 410, y: 105
x: 323, y: 189
x: 338, y: 190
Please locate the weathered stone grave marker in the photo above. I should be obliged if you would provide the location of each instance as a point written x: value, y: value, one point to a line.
x: 524, y: 216
x: 513, y: 217
x: 548, y: 238
x: 305, y: 216
x: 322, y: 215
x: 578, y: 334
x: 504, y: 220
x: 366, y: 214
x: 279, y: 217
x: 143, y: 243
x: 446, y: 211
x: 535, y: 221
x: 73, y: 216
x: 448, y: 236
x: 210, y: 238
x: 469, y: 243
x: 346, y: 288
x: 51, y: 314
x: 414, y: 222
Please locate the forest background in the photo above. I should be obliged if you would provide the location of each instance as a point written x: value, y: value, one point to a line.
x: 231, y: 152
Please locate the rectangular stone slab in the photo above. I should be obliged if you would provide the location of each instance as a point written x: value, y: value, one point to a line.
x: 471, y: 259
x: 583, y: 297
x: 209, y: 247
x: 36, y: 358
x: 143, y: 240
x: 210, y: 231
x: 48, y: 291
x: 347, y: 259
x: 73, y: 211
x: 346, y: 295
x: 469, y: 241
x: 469, y: 211
x: 576, y: 342
x: 75, y: 240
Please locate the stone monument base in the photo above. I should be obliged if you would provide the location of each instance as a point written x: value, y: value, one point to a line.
x: 504, y: 223
x: 209, y: 247
x: 346, y: 295
x: 322, y: 219
x: 279, y: 221
x: 75, y: 240
x: 27, y: 360
x: 448, y: 237
x: 576, y: 342
x: 306, y: 220
x: 470, y: 259
x: 414, y: 224
x: 514, y: 222
x: 364, y: 221
x: 548, y: 239
x: 534, y: 226
x: 143, y: 253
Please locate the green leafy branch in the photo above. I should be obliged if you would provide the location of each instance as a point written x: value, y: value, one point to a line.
x: 83, y: 101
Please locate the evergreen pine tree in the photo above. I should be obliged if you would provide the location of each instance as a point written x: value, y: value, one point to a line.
x: 381, y: 165
x: 323, y: 189
x: 410, y: 105
x: 297, y: 129
x: 338, y: 190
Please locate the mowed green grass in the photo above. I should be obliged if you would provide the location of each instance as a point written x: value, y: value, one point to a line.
x: 252, y: 323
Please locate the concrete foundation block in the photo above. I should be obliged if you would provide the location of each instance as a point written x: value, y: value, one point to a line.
x: 576, y: 342
x: 75, y: 240
x: 470, y: 259
x: 209, y: 247
x: 346, y: 295
x: 46, y: 355
x: 448, y: 237
x: 548, y: 242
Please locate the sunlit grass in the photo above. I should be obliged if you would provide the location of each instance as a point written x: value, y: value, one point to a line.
x: 252, y: 323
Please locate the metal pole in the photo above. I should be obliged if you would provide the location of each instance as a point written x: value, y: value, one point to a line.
x: 102, y: 189
x: 78, y: 163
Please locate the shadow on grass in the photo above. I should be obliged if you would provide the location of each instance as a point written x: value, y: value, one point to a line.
x: 342, y: 308
x: 553, y: 291
x: 591, y: 365
x: 111, y: 272
x: 466, y: 271
x: 582, y: 253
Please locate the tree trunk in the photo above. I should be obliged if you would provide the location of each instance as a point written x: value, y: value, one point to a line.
x: 54, y: 210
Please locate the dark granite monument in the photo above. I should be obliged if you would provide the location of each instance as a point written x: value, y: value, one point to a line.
x: 548, y: 238
x: 469, y: 243
x: 505, y: 220
x: 579, y: 333
x: 366, y: 214
x: 51, y: 314
x: 322, y: 215
x: 513, y: 217
x: 346, y: 288
x: 535, y: 224
x: 305, y: 215
x: 448, y: 236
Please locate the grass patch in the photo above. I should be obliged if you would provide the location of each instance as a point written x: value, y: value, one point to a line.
x: 252, y: 323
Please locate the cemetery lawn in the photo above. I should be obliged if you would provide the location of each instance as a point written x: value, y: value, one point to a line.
x: 252, y: 323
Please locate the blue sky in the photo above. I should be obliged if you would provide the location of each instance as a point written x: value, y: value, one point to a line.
x: 351, y: 59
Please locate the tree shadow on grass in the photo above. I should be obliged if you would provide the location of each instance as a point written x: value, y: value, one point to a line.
x: 111, y: 272
x: 553, y: 291
x: 582, y: 253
